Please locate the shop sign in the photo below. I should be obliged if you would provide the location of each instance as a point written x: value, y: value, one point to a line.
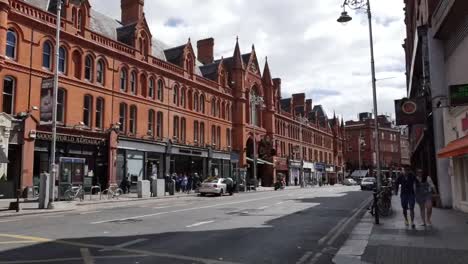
x: 410, y: 111
x: 295, y: 164
x: 330, y: 168
x: 458, y: 95
x: 320, y: 166
x: 71, y: 139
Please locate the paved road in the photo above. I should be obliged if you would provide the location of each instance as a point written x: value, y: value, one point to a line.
x: 292, y: 226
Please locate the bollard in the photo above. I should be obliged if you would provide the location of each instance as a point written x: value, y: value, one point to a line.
x: 44, y: 191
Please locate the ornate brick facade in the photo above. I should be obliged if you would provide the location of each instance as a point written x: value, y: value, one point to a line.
x: 157, y: 110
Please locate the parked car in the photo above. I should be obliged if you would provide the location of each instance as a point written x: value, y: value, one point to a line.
x: 349, y: 182
x: 368, y: 183
x: 213, y: 186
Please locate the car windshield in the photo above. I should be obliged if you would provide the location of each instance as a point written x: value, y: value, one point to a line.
x: 368, y: 180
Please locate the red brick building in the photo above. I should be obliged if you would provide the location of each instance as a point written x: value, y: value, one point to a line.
x: 364, y: 128
x: 130, y: 106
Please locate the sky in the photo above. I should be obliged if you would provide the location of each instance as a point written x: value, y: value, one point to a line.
x: 305, y: 46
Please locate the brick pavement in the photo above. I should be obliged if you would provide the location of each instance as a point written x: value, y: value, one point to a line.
x: 391, y: 242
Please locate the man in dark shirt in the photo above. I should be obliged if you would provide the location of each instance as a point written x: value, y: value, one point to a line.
x: 407, y: 195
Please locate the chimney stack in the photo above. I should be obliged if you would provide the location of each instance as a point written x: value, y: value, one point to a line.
x: 308, y: 106
x: 132, y: 11
x: 206, y: 50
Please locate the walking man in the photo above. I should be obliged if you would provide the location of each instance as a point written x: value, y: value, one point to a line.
x: 407, y: 194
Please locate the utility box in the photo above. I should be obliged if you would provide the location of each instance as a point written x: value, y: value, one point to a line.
x: 44, y: 191
x: 158, y: 187
x: 143, y: 189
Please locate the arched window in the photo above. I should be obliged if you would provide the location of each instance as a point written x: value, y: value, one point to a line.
x: 195, y: 132
x: 123, y: 80
x: 228, y: 137
x: 89, y: 68
x: 133, y: 119
x: 175, y: 100
x: 143, y: 86
x: 11, y: 44
x: 123, y: 117
x: 218, y: 109
x: 254, y: 109
x: 195, y: 102
x: 87, y: 110
x: 9, y: 87
x: 62, y: 60
x: 80, y: 20
x: 183, y: 128
x: 213, y: 107
x: 182, y: 97
x: 202, y: 104
x: 151, y: 88
x: 133, y: 80
x: 160, y: 90
x: 223, y: 110
x: 99, y: 112
x: 77, y: 64
x: 100, y: 72
x: 74, y: 17
x: 202, y: 134
x: 159, y: 125
x: 175, y: 132
x: 213, y: 135
x: 61, y: 105
x: 151, y: 119
x: 47, y: 55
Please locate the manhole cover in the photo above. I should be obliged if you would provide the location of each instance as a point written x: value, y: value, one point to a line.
x: 127, y: 221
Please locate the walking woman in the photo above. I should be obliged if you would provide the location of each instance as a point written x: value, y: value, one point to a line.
x: 424, y: 190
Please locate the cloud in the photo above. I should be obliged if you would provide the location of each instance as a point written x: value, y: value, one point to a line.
x: 306, y: 47
x: 174, y: 22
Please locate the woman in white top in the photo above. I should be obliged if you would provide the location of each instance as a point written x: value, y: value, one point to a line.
x: 424, y: 189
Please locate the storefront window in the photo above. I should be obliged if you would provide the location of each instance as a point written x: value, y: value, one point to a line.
x: 135, y: 162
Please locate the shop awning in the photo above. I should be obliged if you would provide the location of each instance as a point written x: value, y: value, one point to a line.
x: 3, y: 157
x: 260, y: 161
x: 455, y: 148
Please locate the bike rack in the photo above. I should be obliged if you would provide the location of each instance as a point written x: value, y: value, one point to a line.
x: 95, y: 187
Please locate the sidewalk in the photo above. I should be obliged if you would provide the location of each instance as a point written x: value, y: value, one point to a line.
x: 30, y: 207
x: 391, y: 242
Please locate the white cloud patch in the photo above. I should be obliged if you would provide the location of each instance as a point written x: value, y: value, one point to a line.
x: 305, y: 45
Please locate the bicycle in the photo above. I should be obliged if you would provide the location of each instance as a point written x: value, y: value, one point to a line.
x: 383, y: 201
x: 112, y: 192
x: 74, y: 192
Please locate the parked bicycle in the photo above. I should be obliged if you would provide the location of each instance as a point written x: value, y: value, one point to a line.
x: 74, y: 192
x: 112, y: 192
x: 384, y: 202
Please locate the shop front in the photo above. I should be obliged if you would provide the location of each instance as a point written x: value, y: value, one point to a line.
x: 294, y: 172
x: 309, y: 173
x: 221, y: 164
x: 186, y: 161
x: 138, y: 160
x: 81, y: 157
x: 331, y: 174
x: 281, y: 168
x: 320, y: 173
x: 10, y: 155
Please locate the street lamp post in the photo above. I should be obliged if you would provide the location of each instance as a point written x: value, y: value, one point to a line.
x: 254, y: 102
x: 53, y: 166
x: 344, y: 18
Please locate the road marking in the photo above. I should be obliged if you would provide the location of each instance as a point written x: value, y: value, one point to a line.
x: 29, y: 238
x: 263, y: 207
x: 305, y: 257
x: 87, y: 258
x: 53, y: 216
x: 200, y: 223
x: 69, y: 259
x: 11, y: 220
x: 90, y: 212
x: 161, y: 207
x: 185, y: 210
x: 279, y: 203
x: 17, y: 242
x: 126, y: 244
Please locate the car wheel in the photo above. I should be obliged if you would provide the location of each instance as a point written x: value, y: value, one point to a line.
x: 362, y: 188
x: 202, y: 194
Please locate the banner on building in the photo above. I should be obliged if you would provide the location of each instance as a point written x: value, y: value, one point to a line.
x: 410, y: 111
x: 47, y: 88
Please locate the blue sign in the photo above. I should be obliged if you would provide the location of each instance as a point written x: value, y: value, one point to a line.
x: 320, y: 166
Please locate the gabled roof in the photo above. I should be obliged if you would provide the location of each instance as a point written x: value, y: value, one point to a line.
x: 210, y: 71
x: 173, y: 55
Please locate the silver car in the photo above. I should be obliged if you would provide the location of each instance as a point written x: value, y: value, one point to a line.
x: 216, y: 186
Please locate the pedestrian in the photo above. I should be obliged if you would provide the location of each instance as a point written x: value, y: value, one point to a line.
x: 407, y: 195
x: 184, y: 183
x: 295, y: 181
x: 424, y: 189
x: 189, y: 183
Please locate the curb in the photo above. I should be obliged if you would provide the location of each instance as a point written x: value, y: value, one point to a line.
x: 35, y: 213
